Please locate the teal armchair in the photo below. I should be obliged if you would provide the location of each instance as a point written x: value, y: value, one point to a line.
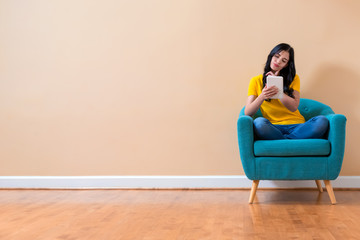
x: 300, y: 159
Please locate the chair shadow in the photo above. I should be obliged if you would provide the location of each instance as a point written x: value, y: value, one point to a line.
x: 291, y: 197
x: 309, y: 197
x: 337, y: 87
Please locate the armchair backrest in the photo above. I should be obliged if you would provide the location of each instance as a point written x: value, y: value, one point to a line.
x: 308, y: 108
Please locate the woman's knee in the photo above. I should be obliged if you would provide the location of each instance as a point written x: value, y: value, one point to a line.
x: 322, y: 122
x: 261, y: 122
x: 264, y: 129
x: 321, y: 125
x: 262, y: 125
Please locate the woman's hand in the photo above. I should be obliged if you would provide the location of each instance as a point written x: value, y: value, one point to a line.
x: 271, y: 91
x: 268, y: 92
x: 273, y: 73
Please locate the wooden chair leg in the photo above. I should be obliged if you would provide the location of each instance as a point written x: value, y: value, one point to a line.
x: 330, y: 191
x: 318, y: 184
x: 253, y: 190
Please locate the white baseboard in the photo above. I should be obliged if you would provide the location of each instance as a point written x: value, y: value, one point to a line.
x: 158, y: 182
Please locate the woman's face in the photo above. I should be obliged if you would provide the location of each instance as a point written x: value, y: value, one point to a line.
x: 279, y: 61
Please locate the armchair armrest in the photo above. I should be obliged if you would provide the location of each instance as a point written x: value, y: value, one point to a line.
x: 245, y: 132
x: 336, y: 136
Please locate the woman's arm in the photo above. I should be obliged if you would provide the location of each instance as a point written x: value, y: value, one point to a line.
x: 253, y: 103
x: 291, y: 103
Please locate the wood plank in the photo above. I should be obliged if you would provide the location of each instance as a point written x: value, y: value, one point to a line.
x: 177, y: 214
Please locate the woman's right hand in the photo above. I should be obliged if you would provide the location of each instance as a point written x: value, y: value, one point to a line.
x: 268, y: 92
x: 271, y: 91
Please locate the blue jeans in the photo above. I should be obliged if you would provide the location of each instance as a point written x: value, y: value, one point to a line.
x: 315, y: 127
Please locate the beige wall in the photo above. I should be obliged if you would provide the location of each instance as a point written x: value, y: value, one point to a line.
x: 154, y: 87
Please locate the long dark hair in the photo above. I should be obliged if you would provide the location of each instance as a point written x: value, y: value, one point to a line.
x: 288, y: 72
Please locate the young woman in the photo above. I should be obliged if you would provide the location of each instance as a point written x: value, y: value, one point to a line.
x: 281, y: 117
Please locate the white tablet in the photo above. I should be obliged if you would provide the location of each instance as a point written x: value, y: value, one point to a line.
x: 278, y: 82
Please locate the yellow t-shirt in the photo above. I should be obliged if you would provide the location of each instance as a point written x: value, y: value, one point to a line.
x: 274, y: 110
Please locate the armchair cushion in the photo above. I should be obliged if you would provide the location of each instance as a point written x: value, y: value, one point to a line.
x: 293, y: 147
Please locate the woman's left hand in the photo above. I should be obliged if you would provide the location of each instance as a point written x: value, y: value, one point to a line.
x: 273, y: 74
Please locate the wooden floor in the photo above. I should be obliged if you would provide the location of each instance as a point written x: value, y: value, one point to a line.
x: 177, y: 214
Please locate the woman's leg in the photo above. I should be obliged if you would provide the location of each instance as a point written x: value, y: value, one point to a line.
x: 264, y: 129
x: 315, y: 127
